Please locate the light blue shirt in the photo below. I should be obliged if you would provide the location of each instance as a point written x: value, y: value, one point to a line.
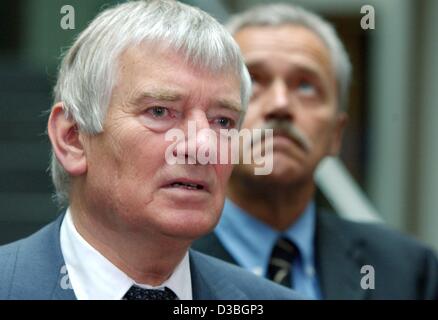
x: 250, y: 241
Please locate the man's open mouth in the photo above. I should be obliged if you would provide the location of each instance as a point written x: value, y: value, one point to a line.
x: 187, y: 184
x: 190, y: 186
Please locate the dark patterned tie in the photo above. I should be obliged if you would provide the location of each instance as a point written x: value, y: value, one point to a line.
x: 137, y: 293
x: 280, y: 265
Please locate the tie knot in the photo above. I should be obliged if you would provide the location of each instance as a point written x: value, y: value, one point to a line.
x: 280, y: 264
x: 138, y: 293
x: 284, y: 248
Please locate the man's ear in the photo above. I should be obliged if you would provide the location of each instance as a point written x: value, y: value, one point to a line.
x: 66, y: 143
x: 341, y: 123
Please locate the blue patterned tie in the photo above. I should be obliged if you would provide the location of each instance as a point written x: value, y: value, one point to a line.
x: 280, y: 265
x: 137, y: 293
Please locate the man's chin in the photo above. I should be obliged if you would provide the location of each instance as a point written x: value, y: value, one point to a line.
x: 189, y: 233
x: 189, y: 225
x: 281, y: 174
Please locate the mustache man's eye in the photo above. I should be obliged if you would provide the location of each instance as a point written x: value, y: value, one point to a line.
x: 307, y: 88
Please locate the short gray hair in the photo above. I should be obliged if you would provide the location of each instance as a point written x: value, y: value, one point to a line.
x: 88, y: 70
x: 280, y: 14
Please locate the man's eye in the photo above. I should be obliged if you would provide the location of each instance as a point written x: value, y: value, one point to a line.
x: 158, y: 112
x: 224, y: 123
x: 306, y: 88
x: 258, y: 80
x: 159, y: 118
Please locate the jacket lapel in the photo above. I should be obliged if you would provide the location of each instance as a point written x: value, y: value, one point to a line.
x: 339, y: 259
x: 207, y: 283
x: 211, y: 245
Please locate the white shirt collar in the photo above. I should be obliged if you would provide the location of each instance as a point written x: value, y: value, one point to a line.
x: 93, y: 277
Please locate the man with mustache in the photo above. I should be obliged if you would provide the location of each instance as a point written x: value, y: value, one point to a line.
x: 271, y: 224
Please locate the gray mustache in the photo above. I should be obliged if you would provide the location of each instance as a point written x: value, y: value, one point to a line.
x: 288, y: 129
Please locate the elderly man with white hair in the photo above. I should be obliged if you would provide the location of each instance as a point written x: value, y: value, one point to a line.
x: 137, y: 71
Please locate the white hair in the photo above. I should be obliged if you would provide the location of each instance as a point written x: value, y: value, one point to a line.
x: 281, y: 14
x: 88, y: 71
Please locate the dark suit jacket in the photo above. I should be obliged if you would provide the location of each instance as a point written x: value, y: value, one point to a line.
x: 404, y: 268
x: 32, y: 268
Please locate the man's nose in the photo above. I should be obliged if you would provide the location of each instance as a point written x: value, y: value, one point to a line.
x: 203, y: 131
x: 198, y: 136
x: 280, y: 103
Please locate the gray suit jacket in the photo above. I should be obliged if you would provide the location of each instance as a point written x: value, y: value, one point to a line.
x: 33, y: 268
x: 404, y: 268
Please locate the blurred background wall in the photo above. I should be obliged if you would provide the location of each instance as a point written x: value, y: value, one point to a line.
x: 390, y: 146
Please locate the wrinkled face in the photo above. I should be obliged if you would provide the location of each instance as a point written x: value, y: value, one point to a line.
x: 294, y: 85
x: 128, y: 178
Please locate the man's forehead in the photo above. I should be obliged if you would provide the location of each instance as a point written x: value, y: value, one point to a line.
x: 145, y: 63
x: 285, y: 39
x: 164, y: 76
x: 164, y: 54
x: 262, y: 46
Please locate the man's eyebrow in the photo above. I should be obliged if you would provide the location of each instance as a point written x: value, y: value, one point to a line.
x: 309, y: 71
x: 231, y: 105
x: 161, y: 95
x: 254, y: 64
